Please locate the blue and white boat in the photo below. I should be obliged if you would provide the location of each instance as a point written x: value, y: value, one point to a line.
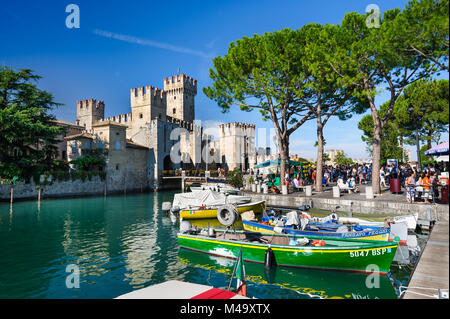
x: 291, y: 225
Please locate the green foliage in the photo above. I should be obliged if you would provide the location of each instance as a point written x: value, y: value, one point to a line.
x: 325, y: 157
x: 423, y: 106
x: 62, y: 176
x: 235, y: 178
x: 426, y: 29
x: 89, y: 163
x: 372, y: 59
x: 341, y: 159
x: 265, y: 73
x: 391, y: 134
x: 28, y: 134
x: 425, y: 159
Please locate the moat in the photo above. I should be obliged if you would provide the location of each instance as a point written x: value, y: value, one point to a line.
x: 123, y: 243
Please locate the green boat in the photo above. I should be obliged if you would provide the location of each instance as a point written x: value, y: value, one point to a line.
x: 367, y: 256
x: 291, y: 282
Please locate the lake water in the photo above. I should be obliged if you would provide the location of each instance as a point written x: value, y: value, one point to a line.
x: 123, y: 243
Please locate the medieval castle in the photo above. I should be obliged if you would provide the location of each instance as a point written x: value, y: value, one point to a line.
x: 158, y: 134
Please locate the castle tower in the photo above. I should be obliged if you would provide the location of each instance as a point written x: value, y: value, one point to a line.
x: 90, y: 111
x: 147, y: 103
x: 237, y: 145
x: 180, y: 92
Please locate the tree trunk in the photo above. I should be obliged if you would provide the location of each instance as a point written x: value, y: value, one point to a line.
x: 419, y: 158
x: 400, y: 142
x: 319, y: 163
x: 376, y: 153
x: 430, y: 135
x: 284, y: 158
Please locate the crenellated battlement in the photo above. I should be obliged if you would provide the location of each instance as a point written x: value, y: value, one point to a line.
x: 145, y: 91
x: 147, y: 95
x: 180, y: 81
x: 190, y: 126
x: 122, y: 118
x: 237, y: 124
x: 89, y: 111
x: 237, y: 129
x: 90, y: 103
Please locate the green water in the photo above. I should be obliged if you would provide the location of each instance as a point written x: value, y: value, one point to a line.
x: 123, y: 243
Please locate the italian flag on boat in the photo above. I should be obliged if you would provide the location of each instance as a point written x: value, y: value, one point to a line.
x: 241, y: 284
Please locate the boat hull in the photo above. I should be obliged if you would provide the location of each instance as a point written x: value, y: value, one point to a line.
x: 256, y: 207
x: 372, y: 234
x: 357, y: 256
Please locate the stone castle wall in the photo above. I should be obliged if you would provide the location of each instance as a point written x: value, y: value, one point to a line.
x: 95, y: 186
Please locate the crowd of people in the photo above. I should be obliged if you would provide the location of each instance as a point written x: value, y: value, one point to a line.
x: 417, y: 184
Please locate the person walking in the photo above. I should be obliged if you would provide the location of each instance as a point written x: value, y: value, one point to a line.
x: 411, y: 188
x: 426, y: 184
x: 382, y: 177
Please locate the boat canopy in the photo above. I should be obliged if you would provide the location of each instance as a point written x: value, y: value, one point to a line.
x: 205, y: 198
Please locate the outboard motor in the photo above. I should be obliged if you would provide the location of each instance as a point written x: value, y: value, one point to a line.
x: 185, y: 227
x: 304, y: 207
x: 166, y: 206
x: 175, y: 210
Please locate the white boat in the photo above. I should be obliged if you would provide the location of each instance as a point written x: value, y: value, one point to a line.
x: 205, y: 198
x: 410, y: 220
x: 175, y: 289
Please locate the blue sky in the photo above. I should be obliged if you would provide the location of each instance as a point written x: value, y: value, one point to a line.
x: 127, y: 44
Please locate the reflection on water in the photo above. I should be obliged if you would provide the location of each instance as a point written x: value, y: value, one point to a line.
x: 122, y: 243
x: 282, y: 282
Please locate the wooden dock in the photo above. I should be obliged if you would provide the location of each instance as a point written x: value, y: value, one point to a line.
x: 431, y: 273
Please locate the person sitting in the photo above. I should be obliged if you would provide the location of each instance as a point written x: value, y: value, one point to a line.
x: 301, y: 181
x: 348, y: 187
x: 341, y: 184
x: 272, y: 184
x: 295, y: 183
x: 353, y: 186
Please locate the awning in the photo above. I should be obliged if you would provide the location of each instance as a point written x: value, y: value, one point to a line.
x: 441, y: 149
x: 277, y: 162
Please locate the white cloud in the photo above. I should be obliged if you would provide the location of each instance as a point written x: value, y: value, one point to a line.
x: 150, y: 43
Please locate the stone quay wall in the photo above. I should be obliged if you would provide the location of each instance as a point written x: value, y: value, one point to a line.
x: 69, y: 188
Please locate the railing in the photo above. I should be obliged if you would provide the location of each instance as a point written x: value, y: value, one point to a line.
x: 188, y: 172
